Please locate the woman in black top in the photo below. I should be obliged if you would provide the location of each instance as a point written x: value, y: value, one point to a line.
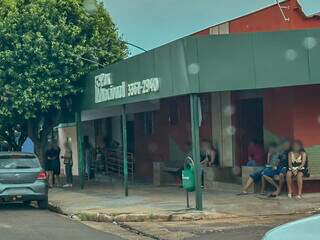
x: 297, y: 164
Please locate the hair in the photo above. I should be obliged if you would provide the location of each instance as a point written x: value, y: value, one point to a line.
x: 273, y: 145
x: 300, y: 143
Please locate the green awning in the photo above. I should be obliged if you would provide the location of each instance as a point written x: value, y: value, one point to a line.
x: 199, y: 64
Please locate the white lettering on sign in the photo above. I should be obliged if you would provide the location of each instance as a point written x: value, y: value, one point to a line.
x: 103, y: 94
x: 106, y: 91
x: 143, y: 87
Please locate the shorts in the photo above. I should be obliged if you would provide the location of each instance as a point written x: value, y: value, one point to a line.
x: 269, y: 172
x: 256, y: 176
x: 54, y: 166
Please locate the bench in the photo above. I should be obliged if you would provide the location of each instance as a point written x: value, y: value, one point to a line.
x: 312, y: 183
x: 163, y: 174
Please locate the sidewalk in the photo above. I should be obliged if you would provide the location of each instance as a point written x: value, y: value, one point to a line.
x: 106, y: 203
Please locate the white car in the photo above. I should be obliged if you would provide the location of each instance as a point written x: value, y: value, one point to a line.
x: 304, y: 229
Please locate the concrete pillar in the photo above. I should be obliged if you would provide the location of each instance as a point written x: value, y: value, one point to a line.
x: 222, y: 129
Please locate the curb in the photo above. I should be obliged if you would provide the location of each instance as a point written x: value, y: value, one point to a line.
x: 161, y: 217
x: 136, y: 217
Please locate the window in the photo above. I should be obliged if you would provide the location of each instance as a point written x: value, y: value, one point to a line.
x: 148, y: 119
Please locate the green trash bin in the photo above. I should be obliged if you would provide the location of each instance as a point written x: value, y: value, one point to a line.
x: 188, y: 176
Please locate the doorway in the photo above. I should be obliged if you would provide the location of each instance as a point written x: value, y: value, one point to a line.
x: 249, y: 125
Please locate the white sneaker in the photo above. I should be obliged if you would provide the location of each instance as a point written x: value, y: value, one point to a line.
x: 289, y: 195
x: 299, y: 197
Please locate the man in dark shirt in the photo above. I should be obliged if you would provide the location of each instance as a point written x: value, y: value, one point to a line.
x: 52, y: 157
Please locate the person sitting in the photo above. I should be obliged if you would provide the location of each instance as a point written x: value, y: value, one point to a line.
x: 271, y: 168
x: 208, y: 154
x: 297, y: 167
x: 281, y: 169
x: 257, y: 176
x: 256, y: 154
x: 208, y: 158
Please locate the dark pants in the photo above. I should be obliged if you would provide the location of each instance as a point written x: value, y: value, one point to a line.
x: 69, y: 176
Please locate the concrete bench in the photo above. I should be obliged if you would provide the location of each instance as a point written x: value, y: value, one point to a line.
x: 246, y: 172
x: 255, y: 188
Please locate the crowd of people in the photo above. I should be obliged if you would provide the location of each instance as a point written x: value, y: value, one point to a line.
x: 288, y: 162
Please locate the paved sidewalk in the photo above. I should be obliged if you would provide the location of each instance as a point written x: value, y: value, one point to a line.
x: 106, y: 203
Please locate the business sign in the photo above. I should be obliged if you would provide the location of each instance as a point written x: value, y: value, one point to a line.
x: 105, y: 90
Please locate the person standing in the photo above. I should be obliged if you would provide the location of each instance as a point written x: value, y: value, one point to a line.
x: 68, y: 163
x: 52, y: 157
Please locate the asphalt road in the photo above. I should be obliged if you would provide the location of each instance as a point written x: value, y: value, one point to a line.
x: 247, y: 233
x: 19, y: 222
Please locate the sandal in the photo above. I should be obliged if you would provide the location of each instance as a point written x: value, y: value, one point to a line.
x: 272, y: 195
x: 242, y: 194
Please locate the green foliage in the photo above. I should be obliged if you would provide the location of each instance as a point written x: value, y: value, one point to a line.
x: 42, y: 47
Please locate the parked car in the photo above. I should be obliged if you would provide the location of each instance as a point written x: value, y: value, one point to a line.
x: 304, y: 229
x: 22, y: 179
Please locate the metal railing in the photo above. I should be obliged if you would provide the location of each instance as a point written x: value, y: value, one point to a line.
x: 114, y: 163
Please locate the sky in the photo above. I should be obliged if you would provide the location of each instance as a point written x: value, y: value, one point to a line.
x: 152, y: 23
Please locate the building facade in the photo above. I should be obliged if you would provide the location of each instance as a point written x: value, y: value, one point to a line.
x: 262, y: 84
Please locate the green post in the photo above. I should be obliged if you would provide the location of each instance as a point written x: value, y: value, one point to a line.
x: 194, y: 101
x: 125, y: 150
x: 80, y: 149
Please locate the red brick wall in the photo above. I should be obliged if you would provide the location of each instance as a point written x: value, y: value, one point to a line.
x: 270, y: 19
x: 156, y: 147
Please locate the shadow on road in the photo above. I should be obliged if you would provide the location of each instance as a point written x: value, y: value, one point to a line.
x: 16, y: 207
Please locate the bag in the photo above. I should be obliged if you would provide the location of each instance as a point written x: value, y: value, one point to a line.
x: 306, y: 172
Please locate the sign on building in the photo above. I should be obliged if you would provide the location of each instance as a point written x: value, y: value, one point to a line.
x: 106, y: 90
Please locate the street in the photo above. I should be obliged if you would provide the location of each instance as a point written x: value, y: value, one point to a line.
x: 19, y: 222
x: 252, y: 233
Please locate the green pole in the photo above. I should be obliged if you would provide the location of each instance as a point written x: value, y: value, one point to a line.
x: 80, y: 149
x: 125, y: 150
x: 194, y: 99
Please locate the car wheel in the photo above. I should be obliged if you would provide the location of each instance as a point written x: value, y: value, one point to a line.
x: 43, y: 204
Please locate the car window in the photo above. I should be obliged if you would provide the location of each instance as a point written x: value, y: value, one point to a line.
x: 10, y: 162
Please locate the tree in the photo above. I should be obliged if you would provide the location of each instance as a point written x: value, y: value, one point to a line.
x: 43, y: 47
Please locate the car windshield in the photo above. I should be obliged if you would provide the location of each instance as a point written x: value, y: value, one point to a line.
x: 18, y: 162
